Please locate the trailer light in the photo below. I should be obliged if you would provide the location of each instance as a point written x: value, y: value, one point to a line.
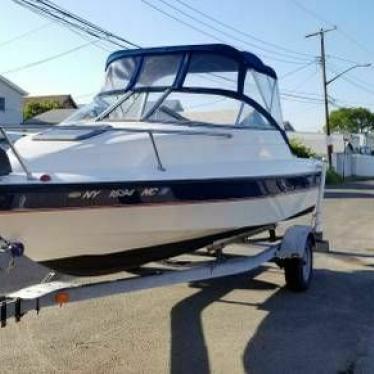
x: 62, y: 298
x: 45, y: 178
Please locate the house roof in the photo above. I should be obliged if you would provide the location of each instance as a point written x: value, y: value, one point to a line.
x: 61, y: 99
x: 52, y: 117
x: 172, y: 104
x: 13, y: 86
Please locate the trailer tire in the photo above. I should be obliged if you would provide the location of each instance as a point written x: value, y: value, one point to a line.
x: 299, y: 271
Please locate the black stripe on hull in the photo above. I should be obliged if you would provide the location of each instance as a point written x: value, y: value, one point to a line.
x: 131, y: 259
x: 25, y: 197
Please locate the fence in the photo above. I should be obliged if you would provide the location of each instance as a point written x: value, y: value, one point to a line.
x: 351, y: 164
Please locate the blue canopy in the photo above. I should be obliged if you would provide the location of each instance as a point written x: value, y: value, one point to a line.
x: 249, y: 60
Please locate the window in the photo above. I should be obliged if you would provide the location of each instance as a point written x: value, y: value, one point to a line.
x: 212, y: 71
x: 119, y: 73
x: 132, y: 109
x: 159, y: 71
x: 252, y: 90
x: 2, y: 104
x: 99, y: 104
x: 264, y: 90
x: 189, y: 108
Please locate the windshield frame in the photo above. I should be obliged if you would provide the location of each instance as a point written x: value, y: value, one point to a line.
x: 178, y: 85
x: 199, y: 90
x: 116, y: 104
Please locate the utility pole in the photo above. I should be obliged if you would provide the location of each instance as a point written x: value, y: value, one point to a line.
x: 321, y: 33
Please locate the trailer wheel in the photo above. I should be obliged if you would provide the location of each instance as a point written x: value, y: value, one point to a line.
x: 299, y: 271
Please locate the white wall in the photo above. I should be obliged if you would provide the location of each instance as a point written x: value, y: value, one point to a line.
x: 343, y: 163
x: 354, y: 164
x: 363, y: 165
x: 13, y: 106
x: 318, y: 141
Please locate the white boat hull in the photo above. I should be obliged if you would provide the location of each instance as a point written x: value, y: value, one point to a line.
x: 62, y: 233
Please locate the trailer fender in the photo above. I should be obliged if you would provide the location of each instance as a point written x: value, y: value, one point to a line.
x: 295, y: 240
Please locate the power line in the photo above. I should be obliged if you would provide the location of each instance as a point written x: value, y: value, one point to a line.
x: 301, y: 97
x: 47, y: 59
x: 313, y: 103
x: 213, y: 19
x: 25, y: 34
x: 307, y: 93
x: 326, y: 21
x: 50, y: 10
x: 183, y: 22
x: 353, y: 78
x: 341, y: 59
x: 276, y: 46
x: 206, y: 33
x: 312, y: 13
x: 345, y: 103
x: 85, y: 37
x: 81, y: 27
x: 304, y: 81
x: 362, y: 83
x: 229, y: 35
x: 355, y: 82
x: 358, y: 85
x: 78, y: 22
x: 292, y: 72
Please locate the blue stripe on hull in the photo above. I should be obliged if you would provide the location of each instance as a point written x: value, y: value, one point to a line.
x: 57, y: 196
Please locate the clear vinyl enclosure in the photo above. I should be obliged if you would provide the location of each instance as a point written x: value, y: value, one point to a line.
x: 215, y: 85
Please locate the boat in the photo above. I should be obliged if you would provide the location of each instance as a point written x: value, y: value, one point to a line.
x: 182, y: 146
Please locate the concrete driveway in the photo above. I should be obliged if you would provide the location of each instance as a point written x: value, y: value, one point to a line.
x: 247, y: 323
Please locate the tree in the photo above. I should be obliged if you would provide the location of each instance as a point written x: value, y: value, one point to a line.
x: 34, y: 108
x: 352, y: 120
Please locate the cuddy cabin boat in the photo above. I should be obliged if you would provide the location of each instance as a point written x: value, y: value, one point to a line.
x: 183, y: 145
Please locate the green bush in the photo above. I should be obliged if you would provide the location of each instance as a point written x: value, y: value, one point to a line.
x: 332, y: 177
x: 301, y: 150
x: 34, y: 108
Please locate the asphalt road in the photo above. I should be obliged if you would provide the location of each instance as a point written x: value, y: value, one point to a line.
x: 247, y: 323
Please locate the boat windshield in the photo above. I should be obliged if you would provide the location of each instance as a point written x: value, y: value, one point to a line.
x: 98, y: 105
x: 208, y: 88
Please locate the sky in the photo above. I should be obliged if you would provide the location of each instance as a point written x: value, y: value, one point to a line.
x: 274, y: 30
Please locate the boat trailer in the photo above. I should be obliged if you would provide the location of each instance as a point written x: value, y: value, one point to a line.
x: 293, y: 252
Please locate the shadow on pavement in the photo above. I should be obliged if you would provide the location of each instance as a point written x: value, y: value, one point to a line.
x: 351, y: 254
x: 348, y: 195
x: 325, y: 330
x: 350, y: 190
x: 188, y: 348
x: 353, y: 185
x: 26, y: 273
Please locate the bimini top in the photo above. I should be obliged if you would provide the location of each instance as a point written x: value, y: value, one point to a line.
x: 249, y: 60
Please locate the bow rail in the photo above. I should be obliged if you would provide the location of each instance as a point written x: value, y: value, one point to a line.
x: 150, y: 132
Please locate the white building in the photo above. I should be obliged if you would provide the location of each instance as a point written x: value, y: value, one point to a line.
x: 11, y: 103
x: 318, y: 141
